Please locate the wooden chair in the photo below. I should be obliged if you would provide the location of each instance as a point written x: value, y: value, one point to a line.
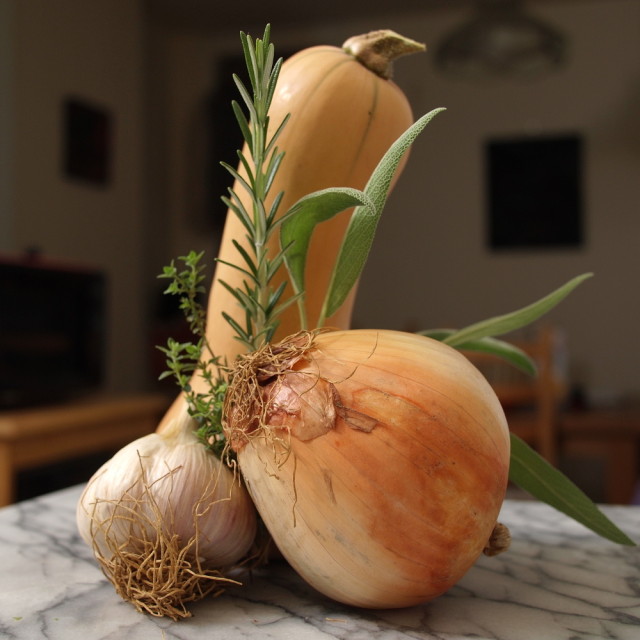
x: 531, y: 404
x: 612, y: 435
x: 535, y: 411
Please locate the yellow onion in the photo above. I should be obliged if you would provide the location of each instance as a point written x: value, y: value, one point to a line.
x: 165, y: 518
x: 378, y: 461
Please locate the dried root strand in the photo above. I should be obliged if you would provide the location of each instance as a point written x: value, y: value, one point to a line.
x: 499, y: 541
x: 247, y: 404
x: 162, y: 577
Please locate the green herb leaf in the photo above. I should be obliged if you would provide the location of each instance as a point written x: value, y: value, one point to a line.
x: 499, y: 325
x: 492, y: 346
x: 271, y: 144
x: 242, y: 122
x: 535, y: 475
x: 364, y: 221
x: 298, y: 223
x: 259, y: 161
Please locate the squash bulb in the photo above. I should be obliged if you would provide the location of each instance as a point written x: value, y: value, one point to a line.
x: 378, y: 461
x: 166, y: 519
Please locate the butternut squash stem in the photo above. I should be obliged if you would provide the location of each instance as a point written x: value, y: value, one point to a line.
x: 377, y: 50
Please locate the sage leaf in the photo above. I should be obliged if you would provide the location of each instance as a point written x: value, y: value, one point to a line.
x: 492, y: 346
x: 364, y: 221
x: 298, y: 223
x: 499, y: 325
x: 534, y: 474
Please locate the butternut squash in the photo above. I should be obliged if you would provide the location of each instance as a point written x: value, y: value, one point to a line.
x: 345, y: 112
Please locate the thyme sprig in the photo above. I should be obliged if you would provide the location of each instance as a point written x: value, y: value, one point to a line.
x: 186, y: 359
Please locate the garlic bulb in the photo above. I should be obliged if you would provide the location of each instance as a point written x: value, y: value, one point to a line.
x: 378, y: 460
x: 164, y: 517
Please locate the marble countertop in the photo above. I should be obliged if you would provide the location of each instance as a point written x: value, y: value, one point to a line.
x: 557, y: 582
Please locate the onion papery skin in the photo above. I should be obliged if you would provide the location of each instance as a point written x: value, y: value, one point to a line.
x: 394, y: 502
x: 163, y: 485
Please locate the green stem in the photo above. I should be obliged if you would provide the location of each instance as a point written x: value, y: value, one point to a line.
x: 302, y: 312
x: 260, y: 223
x: 322, y: 318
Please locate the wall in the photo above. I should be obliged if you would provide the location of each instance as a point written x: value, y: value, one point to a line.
x: 93, y: 51
x: 435, y: 241
x: 180, y: 84
x: 430, y: 266
x: 6, y: 173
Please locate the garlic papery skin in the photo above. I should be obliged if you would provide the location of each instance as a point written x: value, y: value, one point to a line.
x: 379, y: 466
x: 163, y: 499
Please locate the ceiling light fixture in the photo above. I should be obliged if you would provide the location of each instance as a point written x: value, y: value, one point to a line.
x: 501, y: 40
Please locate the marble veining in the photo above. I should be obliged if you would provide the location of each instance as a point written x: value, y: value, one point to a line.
x: 557, y: 582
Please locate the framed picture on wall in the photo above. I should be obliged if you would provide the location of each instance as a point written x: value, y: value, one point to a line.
x: 87, y: 142
x: 534, y: 192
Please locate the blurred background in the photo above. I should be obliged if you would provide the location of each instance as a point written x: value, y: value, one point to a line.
x: 523, y: 82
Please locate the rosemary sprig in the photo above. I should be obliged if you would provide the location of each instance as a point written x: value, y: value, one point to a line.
x: 261, y: 302
x: 258, y: 167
